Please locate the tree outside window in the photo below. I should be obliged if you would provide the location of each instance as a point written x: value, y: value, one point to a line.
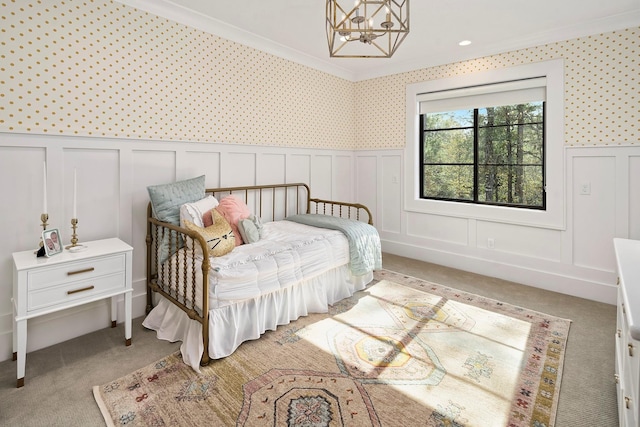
x: 491, y: 155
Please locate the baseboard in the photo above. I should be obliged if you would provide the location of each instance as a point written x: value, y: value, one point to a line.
x: 569, y: 280
x: 61, y: 326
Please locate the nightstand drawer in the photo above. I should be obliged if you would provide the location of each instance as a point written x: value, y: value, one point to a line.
x: 74, y: 271
x: 74, y: 291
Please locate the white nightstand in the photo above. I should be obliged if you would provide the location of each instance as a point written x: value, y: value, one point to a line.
x: 46, y: 285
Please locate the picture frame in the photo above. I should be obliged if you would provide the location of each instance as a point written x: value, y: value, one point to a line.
x: 52, y: 242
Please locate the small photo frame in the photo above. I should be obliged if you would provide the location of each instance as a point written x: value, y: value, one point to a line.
x: 52, y: 243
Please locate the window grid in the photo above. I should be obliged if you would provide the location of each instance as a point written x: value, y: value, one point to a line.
x: 476, y: 164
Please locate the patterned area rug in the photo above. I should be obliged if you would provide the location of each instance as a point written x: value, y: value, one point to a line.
x: 402, y: 351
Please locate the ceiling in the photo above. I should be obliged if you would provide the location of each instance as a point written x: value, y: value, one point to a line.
x: 295, y: 29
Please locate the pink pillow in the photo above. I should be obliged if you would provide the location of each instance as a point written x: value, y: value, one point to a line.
x: 207, y: 219
x: 233, y: 210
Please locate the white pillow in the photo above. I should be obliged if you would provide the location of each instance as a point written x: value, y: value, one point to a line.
x: 193, y: 212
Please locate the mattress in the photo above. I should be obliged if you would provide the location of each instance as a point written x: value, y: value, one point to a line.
x: 287, y: 253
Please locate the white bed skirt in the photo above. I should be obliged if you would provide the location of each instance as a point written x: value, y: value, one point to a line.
x: 234, y: 324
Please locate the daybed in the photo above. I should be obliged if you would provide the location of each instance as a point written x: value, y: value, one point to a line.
x: 289, y: 269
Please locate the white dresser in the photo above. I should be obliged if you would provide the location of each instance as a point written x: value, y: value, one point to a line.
x: 628, y: 331
x: 46, y: 285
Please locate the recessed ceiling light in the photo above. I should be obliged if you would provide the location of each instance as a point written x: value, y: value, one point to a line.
x: 465, y: 43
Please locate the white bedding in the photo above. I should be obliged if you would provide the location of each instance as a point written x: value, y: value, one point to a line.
x: 287, y: 253
x: 294, y: 270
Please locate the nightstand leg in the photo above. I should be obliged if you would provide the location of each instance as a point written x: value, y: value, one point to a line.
x: 114, y: 312
x: 127, y: 318
x: 21, y: 350
x: 15, y: 332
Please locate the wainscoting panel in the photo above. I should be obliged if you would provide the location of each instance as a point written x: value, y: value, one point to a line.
x: 238, y: 169
x: 321, y: 169
x: 22, y: 173
x: 541, y: 243
x: 578, y: 260
x: 440, y: 228
x: 391, y: 193
x: 367, y: 185
x: 298, y: 168
x: 112, y: 199
x: 594, y: 211
x: 343, y: 178
x: 271, y: 168
x: 97, y: 200
x: 149, y: 168
x: 201, y: 162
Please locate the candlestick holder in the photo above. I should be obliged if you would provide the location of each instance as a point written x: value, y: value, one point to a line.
x: 74, y: 235
x: 44, y: 217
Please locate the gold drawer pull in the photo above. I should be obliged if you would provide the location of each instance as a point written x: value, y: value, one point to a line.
x: 617, y: 378
x: 86, y: 270
x: 627, y: 402
x: 630, y: 350
x: 618, y: 281
x: 88, y: 288
x: 619, y: 333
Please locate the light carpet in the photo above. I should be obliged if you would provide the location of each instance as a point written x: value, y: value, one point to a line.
x: 401, y: 352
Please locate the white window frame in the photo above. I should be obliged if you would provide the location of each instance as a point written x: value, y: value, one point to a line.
x: 554, y: 215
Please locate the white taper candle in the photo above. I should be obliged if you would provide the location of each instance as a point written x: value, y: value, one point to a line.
x: 75, y: 189
x: 44, y: 203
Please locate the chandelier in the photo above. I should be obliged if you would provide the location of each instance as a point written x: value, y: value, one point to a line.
x: 366, y: 28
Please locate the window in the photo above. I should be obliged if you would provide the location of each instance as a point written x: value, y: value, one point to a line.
x: 489, y: 155
x: 488, y: 146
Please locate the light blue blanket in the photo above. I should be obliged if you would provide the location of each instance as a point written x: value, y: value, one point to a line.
x: 365, y: 251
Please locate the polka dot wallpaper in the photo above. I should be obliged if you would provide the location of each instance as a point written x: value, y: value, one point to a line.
x: 602, y: 90
x: 100, y: 68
